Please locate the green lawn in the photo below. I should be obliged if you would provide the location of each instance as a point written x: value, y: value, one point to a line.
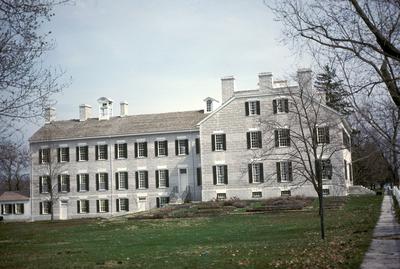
x: 274, y: 240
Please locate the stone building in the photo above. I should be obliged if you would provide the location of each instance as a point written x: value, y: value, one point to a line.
x: 111, y: 165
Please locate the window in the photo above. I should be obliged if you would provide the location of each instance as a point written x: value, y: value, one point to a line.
x: 45, y: 207
x: 346, y: 139
x: 19, y: 209
x: 121, y: 151
x: 326, y: 169
x: 122, y: 204
x: 82, y: 153
x: 63, y: 154
x: 286, y: 193
x: 161, y: 148
x: 325, y: 191
x: 254, y: 140
x: 6, y: 209
x: 350, y: 172
x: 162, y: 178
x: 44, y: 184
x: 182, y: 147
x: 280, y: 105
x: 282, y: 138
x: 221, y: 196
x: 197, y: 145
x: 102, y: 181
x: 323, y: 135
x: 102, y: 206
x: 63, y: 183
x: 218, y: 142
x: 141, y: 149
x: 101, y: 152
x: 220, y: 174
x: 256, y: 173
x: 209, y: 105
x: 121, y: 180
x: 345, y: 170
x: 44, y: 156
x: 284, y: 171
x: 162, y: 201
x: 83, y: 206
x: 199, y: 176
x: 82, y: 182
x: 256, y: 194
x: 142, y: 180
x: 252, y: 108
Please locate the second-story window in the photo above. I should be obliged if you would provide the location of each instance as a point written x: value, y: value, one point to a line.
x: 121, y: 180
x: 282, y: 138
x: 82, y: 183
x: 254, y: 140
x: 44, y: 184
x: 82, y: 153
x: 280, y: 105
x: 63, y: 154
x: 141, y: 149
x: 101, y: 152
x: 44, y: 156
x: 326, y: 169
x: 252, y: 108
x: 142, y: 179
x: 182, y: 147
x: 284, y: 171
x: 162, y: 178
x: 218, y: 142
x: 121, y: 151
x: 323, y: 135
x: 220, y: 174
x: 256, y: 173
x: 102, y: 181
x: 63, y: 183
x: 161, y: 148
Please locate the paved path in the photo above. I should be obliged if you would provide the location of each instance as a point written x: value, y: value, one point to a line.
x: 384, y: 251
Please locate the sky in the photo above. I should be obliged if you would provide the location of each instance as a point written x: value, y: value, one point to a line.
x: 161, y: 56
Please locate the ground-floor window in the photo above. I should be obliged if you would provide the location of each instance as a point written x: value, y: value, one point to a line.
x: 45, y: 207
x: 6, y: 209
x: 325, y: 191
x: 102, y: 206
x: 256, y: 194
x: 221, y: 196
x: 162, y: 201
x: 19, y: 209
x: 122, y: 204
x: 286, y: 193
x: 83, y: 206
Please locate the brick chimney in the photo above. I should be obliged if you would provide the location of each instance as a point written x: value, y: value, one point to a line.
x: 85, y: 112
x: 227, y: 87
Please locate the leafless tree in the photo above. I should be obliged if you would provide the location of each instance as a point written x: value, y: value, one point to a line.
x: 308, y: 139
x: 14, y: 165
x: 26, y: 84
x: 364, y: 35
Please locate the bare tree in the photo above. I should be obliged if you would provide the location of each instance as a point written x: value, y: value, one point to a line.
x: 305, y: 143
x: 364, y: 35
x: 26, y: 85
x: 14, y: 165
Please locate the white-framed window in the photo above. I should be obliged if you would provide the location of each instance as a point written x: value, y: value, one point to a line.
x: 252, y: 108
x: 254, y: 140
x: 323, y: 135
x: 182, y: 147
x: 44, y: 155
x: 221, y: 196
x: 142, y: 179
x: 162, y: 148
x: 220, y: 174
x: 83, y: 182
x: 19, y: 208
x: 102, y: 152
x: 280, y: 105
x: 162, y: 178
x: 123, y: 204
x: 63, y: 155
x: 209, y: 105
x: 282, y: 137
x: 83, y: 206
x: 141, y: 149
x: 121, y: 151
x: 286, y: 193
x: 102, y: 206
x: 102, y: 181
x: 122, y: 180
x: 325, y: 191
x: 64, y: 183
x: 256, y: 173
x: 82, y: 153
x: 220, y: 142
x: 256, y: 194
x: 7, y: 209
x: 44, y: 184
x: 326, y: 169
x: 162, y: 201
x: 284, y: 171
x: 45, y: 207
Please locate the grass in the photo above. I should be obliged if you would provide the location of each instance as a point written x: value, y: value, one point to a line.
x: 274, y: 240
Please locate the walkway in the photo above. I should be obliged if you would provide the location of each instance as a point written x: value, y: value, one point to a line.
x: 384, y: 251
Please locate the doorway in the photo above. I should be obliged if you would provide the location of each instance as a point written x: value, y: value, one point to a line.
x: 63, y: 210
x: 183, y: 179
x: 142, y: 203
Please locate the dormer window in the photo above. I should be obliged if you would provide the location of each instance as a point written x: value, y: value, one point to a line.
x: 209, y: 105
x: 105, y: 108
x: 209, y: 102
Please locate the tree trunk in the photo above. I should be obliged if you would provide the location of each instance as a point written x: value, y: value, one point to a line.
x: 321, y: 213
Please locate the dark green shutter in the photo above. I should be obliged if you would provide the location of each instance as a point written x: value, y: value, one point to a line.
x: 145, y: 149
x: 40, y: 184
x: 214, y: 168
x: 146, y: 175
x: 117, y: 205
x: 258, y: 107
x: 22, y: 208
x: 77, y: 153
x: 87, y: 206
x: 68, y: 184
x: 225, y: 174
x: 224, y: 141
x: 286, y: 104
x: 136, y: 150
x: 187, y: 147
x: 126, y: 180
x: 40, y: 156
x: 106, y: 181
x: 261, y: 172
x: 274, y: 106
x: 49, y: 184
x: 78, y: 207
x: 156, y: 148
x: 41, y: 208
x: 59, y: 183
x: 97, y: 181
x: 157, y: 179
x: 126, y: 150
x: 167, y: 178
x: 137, y: 179
x: 107, y: 209
x: 290, y: 171
x: 246, y: 108
x: 58, y: 155
x: 87, y: 182
x: 259, y: 139
x: 197, y: 145
x: 117, y: 181
x: 248, y: 140
x: 78, y: 186
x: 278, y: 171
x: 327, y: 137
x: 198, y: 176
x: 176, y: 147
x: 276, y: 138
x: 127, y: 204
x: 250, y: 168
x: 98, y: 205
x: 158, y: 202
x: 116, y: 151
x: 166, y: 147
x: 213, y: 142
x: 97, y: 152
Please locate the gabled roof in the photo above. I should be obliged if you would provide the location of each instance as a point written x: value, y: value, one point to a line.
x: 119, y: 126
x: 13, y: 196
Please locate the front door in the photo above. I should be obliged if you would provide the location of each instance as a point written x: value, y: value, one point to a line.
x: 63, y: 210
x: 142, y: 203
x: 183, y: 179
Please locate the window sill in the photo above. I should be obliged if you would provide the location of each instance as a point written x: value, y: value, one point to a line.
x: 182, y: 155
x: 141, y: 157
x: 121, y: 158
x: 101, y: 159
x: 83, y: 191
x: 102, y: 190
x: 162, y: 156
x: 122, y: 189
x: 79, y: 161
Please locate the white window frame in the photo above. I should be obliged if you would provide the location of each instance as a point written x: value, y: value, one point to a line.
x: 83, y: 182
x: 141, y: 149
x: 252, y: 108
x: 219, y: 142
x: 81, y: 211
x: 286, y: 193
x: 280, y: 105
x: 45, y: 208
x: 256, y: 172
x: 103, y: 177
x: 64, y: 183
x: 64, y: 154
x: 7, y: 209
x: 285, y: 173
x: 82, y: 153
x: 283, y: 141
x: 45, y: 185
x: 255, y: 140
x: 142, y: 179
x: 163, y: 201
x: 326, y: 191
x: 102, y: 152
x: 102, y: 206
x: 122, y: 151
x: 123, y: 204
x: 162, y: 178
x: 182, y: 146
x: 321, y: 134
x: 161, y: 147
x: 324, y: 163
x: 122, y: 180
x: 220, y: 169
x: 221, y: 196
x: 209, y: 105
x: 45, y: 153
x: 256, y: 194
x: 18, y: 207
